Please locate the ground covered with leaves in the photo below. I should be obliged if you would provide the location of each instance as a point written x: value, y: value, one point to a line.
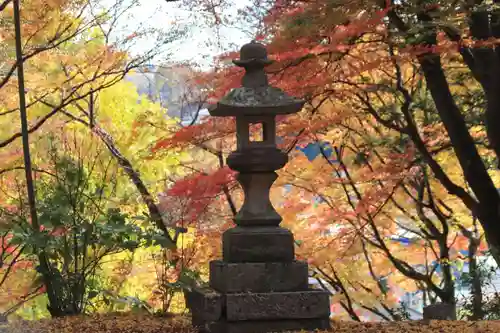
x: 117, y: 323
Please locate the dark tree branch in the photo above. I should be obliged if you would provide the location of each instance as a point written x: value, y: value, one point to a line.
x: 4, y: 4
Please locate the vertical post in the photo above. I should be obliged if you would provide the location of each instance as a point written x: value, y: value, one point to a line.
x: 30, y: 187
x: 24, y: 119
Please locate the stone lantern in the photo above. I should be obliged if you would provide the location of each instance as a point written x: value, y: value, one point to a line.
x: 258, y: 286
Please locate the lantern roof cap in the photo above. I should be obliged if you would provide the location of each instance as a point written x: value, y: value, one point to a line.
x: 256, y: 97
x: 253, y: 53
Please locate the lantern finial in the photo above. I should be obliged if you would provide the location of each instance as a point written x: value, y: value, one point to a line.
x: 253, y: 53
x: 253, y: 57
x: 256, y: 97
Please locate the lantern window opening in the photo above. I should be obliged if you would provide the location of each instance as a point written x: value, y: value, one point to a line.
x: 257, y: 131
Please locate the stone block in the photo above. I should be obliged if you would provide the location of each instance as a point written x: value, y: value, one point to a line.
x: 277, y: 305
x: 258, y: 244
x: 258, y: 277
x: 205, y: 304
x: 268, y: 326
x: 265, y: 159
x: 257, y: 209
x: 440, y: 311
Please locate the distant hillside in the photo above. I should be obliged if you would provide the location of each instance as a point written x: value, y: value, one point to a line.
x: 169, y: 86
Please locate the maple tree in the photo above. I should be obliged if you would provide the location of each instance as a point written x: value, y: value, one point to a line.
x: 398, y: 238
x: 401, y: 90
x: 332, y: 256
x: 372, y: 57
x: 399, y: 160
x: 16, y: 270
x: 116, y: 108
x: 69, y: 55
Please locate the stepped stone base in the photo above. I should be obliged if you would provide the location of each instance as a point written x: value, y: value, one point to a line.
x: 206, y: 305
x: 258, y: 277
x: 259, y: 287
x: 258, y: 244
x: 277, y: 305
x: 214, y: 312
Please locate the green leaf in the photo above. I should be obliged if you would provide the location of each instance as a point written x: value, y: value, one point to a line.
x: 161, y: 240
x: 130, y: 245
x: 92, y: 294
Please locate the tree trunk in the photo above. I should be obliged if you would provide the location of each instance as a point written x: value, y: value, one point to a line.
x: 475, y: 275
x: 488, y: 208
x: 484, y: 67
x: 126, y: 166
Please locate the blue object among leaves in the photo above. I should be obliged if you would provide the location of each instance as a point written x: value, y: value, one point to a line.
x: 404, y: 240
x: 313, y: 150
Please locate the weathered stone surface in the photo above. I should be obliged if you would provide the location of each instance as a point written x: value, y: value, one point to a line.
x: 258, y: 244
x: 256, y: 97
x: 440, y: 311
x: 258, y: 277
x: 263, y: 159
x: 205, y: 305
x: 257, y: 209
x: 267, y: 326
x: 256, y: 101
x: 278, y: 305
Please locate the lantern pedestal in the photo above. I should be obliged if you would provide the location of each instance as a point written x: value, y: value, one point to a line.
x: 252, y: 312
x: 258, y: 244
x: 258, y: 287
x: 258, y: 277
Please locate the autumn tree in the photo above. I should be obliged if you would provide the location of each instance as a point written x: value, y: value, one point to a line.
x: 83, y: 218
x: 65, y: 57
x: 447, y: 44
x: 375, y: 65
x: 70, y: 54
